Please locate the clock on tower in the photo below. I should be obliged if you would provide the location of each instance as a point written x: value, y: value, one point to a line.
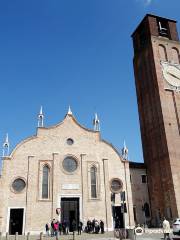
x: 157, y: 77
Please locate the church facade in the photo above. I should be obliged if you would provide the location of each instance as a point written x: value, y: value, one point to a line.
x: 65, y: 172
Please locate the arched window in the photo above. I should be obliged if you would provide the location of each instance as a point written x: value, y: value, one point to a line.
x: 93, y: 182
x: 163, y: 53
x: 175, y: 55
x: 45, y: 182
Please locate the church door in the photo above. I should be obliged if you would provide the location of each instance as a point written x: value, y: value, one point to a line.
x: 16, y: 221
x: 70, y: 211
x: 118, y: 217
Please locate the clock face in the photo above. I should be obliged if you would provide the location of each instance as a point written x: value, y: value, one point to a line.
x: 172, y: 74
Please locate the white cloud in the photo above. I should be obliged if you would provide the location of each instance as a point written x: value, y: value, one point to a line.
x: 145, y: 2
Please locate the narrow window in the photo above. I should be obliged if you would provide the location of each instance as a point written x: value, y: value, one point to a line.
x: 134, y: 211
x: 163, y: 53
x: 144, y: 178
x: 146, y: 210
x: 93, y: 182
x: 45, y: 182
x: 175, y: 55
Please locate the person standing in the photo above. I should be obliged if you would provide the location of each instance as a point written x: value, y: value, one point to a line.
x: 102, y: 226
x: 67, y: 227
x: 80, y: 224
x: 47, y: 229
x: 74, y: 225
x: 88, y: 226
x: 52, y: 228
x: 96, y: 226
x: 60, y: 228
x: 93, y: 225
x: 73, y: 228
x: 166, y: 229
x: 56, y: 228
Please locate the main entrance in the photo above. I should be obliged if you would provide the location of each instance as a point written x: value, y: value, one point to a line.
x: 16, y: 221
x: 70, y: 211
x: 118, y: 217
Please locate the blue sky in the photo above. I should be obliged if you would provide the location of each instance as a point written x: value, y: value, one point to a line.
x: 58, y: 53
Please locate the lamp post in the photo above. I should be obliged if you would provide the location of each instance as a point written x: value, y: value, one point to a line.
x: 112, y: 206
x: 124, y: 210
x: 123, y: 197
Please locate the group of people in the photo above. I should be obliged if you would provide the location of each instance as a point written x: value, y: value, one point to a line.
x: 57, y: 227
x: 94, y: 226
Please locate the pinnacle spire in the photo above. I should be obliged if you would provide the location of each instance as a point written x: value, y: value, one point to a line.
x: 41, y: 118
x: 124, y: 144
x: 6, y: 146
x: 96, y: 122
x: 125, y: 151
x: 69, y: 111
x: 41, y: 111
x: 7, y: 139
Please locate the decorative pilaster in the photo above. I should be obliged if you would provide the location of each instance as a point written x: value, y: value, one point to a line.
x: 107, y: 200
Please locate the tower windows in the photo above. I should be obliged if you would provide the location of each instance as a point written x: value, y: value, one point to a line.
x: 93, y: 172
x: 45, y: 182
x: 163, y: 27
x: 175, y: 55
x: 143, y: 178
x: 134, y: 211
x: 162, y: 53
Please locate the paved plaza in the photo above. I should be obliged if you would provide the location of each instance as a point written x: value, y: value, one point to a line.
x: 150, y: 234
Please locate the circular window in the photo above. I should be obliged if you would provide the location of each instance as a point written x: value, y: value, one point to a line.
x: 116, y: 185
x: 70, y: 164
x: 18, y: 185
x: 70, y: 141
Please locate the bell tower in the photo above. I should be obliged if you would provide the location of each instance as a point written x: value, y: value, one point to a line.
x: 157, y: 77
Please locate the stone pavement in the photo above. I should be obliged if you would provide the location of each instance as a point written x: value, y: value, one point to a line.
x: 83, y: 236
x: 155, y: 236
x: 150, y: 235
